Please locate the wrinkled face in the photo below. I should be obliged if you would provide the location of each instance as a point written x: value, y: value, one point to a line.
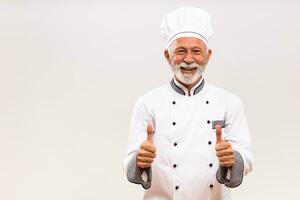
x: 188, y: 57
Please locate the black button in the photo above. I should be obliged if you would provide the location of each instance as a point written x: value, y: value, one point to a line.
x: 207, y: 102
x: 174, y: 165
x: 176, y: 187
x: 211, y: 186
x: 175, y: 144
x: 210, y: 164
x: 208, y: 121
x: 174, y: 102
x: 174, y: 123
x: 209, y: 142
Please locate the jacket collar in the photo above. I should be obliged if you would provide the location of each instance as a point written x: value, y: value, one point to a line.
x: 179, y: 88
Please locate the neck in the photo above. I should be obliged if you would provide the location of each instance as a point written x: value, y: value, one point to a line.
x: 189, y: 86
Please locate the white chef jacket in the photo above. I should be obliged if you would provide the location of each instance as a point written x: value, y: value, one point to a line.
x: 186, y: 164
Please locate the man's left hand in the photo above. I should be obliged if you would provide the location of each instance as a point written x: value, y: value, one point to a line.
x: 224, y: 150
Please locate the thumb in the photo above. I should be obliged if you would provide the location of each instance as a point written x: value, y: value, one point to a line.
x: 219, y: 133
x: 150, y: 132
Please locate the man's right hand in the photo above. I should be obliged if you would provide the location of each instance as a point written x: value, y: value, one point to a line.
x: 146, y: 153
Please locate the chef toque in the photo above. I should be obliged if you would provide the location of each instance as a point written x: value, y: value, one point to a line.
x: 186, y: 22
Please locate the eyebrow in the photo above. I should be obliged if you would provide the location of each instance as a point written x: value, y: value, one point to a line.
x: 180, y: 47
x: 193, y: 48
x: 198, y: 48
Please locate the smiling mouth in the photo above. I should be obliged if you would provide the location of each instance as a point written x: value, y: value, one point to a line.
x: 188, y: 69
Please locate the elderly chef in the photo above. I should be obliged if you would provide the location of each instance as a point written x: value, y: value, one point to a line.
x: 188, y: 140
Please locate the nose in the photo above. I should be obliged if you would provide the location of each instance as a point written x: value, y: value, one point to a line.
x: 189, y: 58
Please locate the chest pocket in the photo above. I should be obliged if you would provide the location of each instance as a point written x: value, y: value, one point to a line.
x: 222, y: 123
x: 218, y: 122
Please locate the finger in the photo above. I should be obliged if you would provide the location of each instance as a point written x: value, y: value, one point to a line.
x: 150, y: 132
x: 143, y: 165
x: 148, y: 147
x: 148, y: 154
x: 229, y: 158
x: 227, y: 152
x: 145, y: 159
x: 226, y: 164
x: 219, y: 133
x: 223, y: 146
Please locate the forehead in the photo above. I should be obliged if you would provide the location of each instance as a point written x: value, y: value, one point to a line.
x: 189, y: 42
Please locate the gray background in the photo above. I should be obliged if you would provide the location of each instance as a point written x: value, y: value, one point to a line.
x: 70, y: 72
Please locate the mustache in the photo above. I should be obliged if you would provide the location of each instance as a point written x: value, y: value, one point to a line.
x: 189, y: 66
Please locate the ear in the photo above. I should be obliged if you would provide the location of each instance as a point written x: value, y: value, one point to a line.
x: 167, y: 55
x: 209, y: 53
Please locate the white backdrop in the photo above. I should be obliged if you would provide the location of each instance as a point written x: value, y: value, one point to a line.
x: 70, y: 72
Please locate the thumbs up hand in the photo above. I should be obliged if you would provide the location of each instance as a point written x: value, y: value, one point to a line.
x: 224, y: 150
x: 146, y: 153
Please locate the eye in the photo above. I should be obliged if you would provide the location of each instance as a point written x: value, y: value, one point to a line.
x: 180, y: 51
x: 197, y: 51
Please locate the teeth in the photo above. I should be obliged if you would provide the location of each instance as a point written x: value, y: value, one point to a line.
x: 189, y: 69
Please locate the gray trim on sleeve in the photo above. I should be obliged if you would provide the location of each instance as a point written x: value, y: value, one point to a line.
x: 236, y: 176
x: 134, y: 173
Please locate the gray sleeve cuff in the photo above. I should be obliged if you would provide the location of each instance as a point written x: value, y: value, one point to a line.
x: 236, y: 175
x: 134, y: 174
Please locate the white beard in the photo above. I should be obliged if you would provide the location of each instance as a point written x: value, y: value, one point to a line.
x: 188, y: 78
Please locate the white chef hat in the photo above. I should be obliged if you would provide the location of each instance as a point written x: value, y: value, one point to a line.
x: 186, y: 22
